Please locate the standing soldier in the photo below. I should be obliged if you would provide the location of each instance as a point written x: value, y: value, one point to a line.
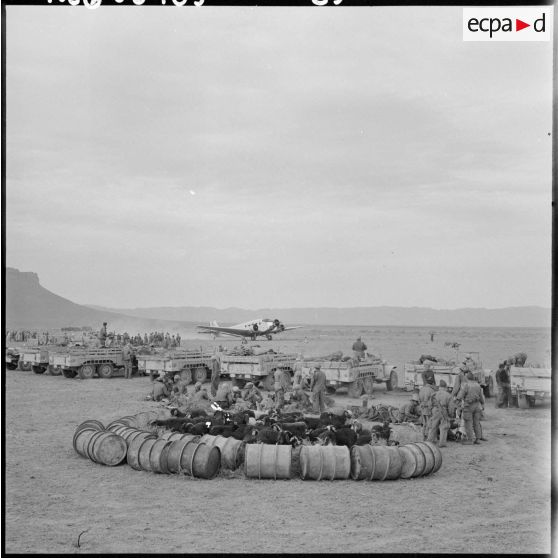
x: 318, y: 387
x: 103, y: 335
x: 425, y: 398
x: 504, y: 389
x: 472, y: 397
x: 178, y: 339
x: 358, y: 349
x: 282, y: 384
x: 410, y: 411
x: 127, y: 356
x: 440, y: 415
x: 215, y: 374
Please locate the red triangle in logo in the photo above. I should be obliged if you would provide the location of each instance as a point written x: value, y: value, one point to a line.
x: 519, y: 25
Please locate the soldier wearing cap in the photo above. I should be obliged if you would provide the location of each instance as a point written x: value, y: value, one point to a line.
x: 460, y: 379
x: 503, y: 398
x: 318, y: 388
x: 472, y: 396
x: 440, y: 415
x: 215, y: 374
x: 180, y: 387
x: 281, y: 385
x: 410, y: 411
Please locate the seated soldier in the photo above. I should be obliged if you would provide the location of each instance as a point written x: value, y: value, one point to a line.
x: 410, y: 411
x: 160, y: 390
x: 199, y: 393
x: 252, y: 395
x: 225, y: 395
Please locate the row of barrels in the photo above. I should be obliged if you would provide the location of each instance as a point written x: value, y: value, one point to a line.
x: 175, y: 453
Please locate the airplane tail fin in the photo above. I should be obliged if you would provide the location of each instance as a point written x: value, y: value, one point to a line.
x: 214, y: 323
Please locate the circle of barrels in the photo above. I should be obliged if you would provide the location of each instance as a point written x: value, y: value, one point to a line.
x: 174, y: 453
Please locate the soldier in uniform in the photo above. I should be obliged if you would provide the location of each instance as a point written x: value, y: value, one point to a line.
x: 215, y: 374
x: 425, y: 398
x: 226, y: 395
x: 127, y: 357
x: 318, y: 388
x: 103, y: 335
x: 472, y: 398
x: 282, y: 384
x: 428, y: 375
x: 410, y: 411
x: 440, y: 415
x: 503, y: 399
x: 252, y: 395
x: 358, y: 349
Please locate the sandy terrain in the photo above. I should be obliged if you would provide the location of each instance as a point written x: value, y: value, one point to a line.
x: 485, y: 499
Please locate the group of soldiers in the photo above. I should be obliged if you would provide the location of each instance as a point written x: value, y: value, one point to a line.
x: 436, y: 408
x: 153, y: 339
x: 226, y: 395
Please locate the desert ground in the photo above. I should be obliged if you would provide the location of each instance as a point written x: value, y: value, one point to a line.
x: 488, y: 498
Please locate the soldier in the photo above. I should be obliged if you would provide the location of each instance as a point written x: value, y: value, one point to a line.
x: 160, y: 390
x: 282, y: 384
x: 301, y: 397
x: 103, y: 335
x: 440, y: 415
x: 428, y: 375
x: 318, y: 388
x: 358, y: 349
x: 472, y: 396
x: 178, y: 339
x: 145, y: 339
x: 252, y: 395
x: 459, y: 380
x: 410, y: 411
x: 180, y: 387
x: 503, y: 399
x: 425, y: 398
x: 215, y: 374
x: 127, y: 357
x: 226, y: 395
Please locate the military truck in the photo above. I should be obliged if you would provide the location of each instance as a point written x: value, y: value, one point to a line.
x: 242, y: 368
x: 37, y: 358
x: 357, y: 376
x: 448, y: 370
x: 529, y: 385
x: 11, y: 358
x: 192, y: 365
x: 87, y: 362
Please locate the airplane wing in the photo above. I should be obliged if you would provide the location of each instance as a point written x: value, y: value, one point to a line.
x: 227, y: 330
x: 292, y: 327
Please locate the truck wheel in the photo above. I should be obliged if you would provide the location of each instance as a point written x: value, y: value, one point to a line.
x: 186, y: 375
x: 200, y: 374
x: 69, y: 373
x: 105, y: 370
x: 11, y: 366
x: 368, y: 384
x: 531, y: 400
x: 38, y: 369
x: 330, y: 390
x: 269, y: 382
x: 286, y: 378
x: 391, y: 384
x: 53, y: 371
x: 523, y: 402
x: 355, y: 388
x: 25, y: 366
x: 86, y: 371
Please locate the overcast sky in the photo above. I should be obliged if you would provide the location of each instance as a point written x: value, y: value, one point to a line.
x: 276, y: 157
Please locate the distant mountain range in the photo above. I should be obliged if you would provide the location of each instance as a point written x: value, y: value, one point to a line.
x: 31, y: 306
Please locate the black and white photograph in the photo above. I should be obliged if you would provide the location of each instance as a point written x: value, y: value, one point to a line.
x: 277, y: 278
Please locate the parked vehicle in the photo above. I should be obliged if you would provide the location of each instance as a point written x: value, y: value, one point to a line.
x: 11, y: 358
x: 87, y: 362
x: 37, y: 359
x: 192, y: 365
x: 529, y: 385
x: 255, y: 368
x: 448, y: 370
x: 356, y: 376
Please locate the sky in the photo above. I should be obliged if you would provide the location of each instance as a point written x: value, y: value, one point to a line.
x: 276, y: 157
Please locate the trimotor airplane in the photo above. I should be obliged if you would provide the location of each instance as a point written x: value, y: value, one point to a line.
x: 259, y: 327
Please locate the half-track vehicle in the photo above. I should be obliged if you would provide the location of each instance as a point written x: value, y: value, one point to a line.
x: 529, y: 385
x: 192, y: 365
x: 86, y: 362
